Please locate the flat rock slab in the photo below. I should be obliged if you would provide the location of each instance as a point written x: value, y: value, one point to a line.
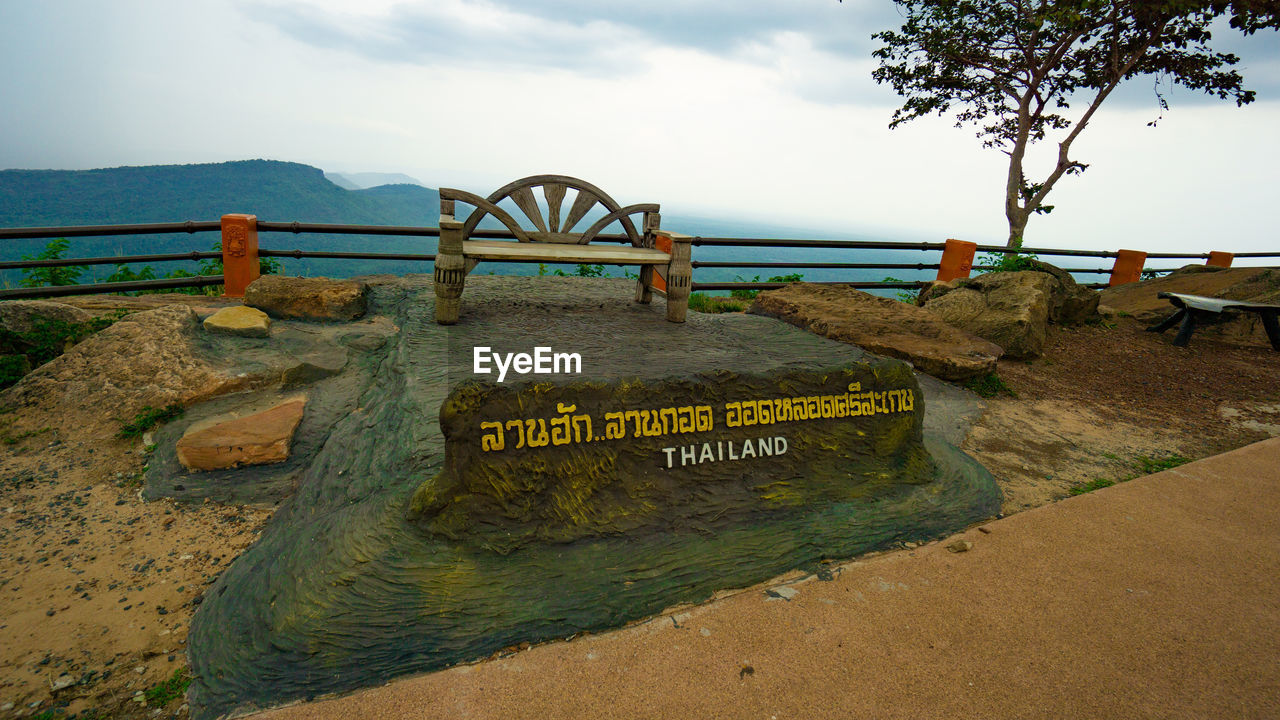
x: 258, y: 439
x: 882, y: 326
x: 242, y: 320
x: 308, y: 298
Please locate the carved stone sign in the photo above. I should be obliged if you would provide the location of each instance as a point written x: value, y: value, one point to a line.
x: 544, y: 462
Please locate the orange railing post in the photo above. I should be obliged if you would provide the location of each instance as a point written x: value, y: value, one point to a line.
x: 239, y: 253
x: 1128, y: 267
x: 1220, y: 259
x: 957, y: 260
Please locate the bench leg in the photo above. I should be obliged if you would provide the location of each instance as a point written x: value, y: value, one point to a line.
x: 450, y: 272
x: 1167, y: 322
x: 644, y: 286
x: 1273, y: 329
x: 679, y: 278
x: 1188, y: 327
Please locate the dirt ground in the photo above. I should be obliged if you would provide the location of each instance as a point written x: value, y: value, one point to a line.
x: 97, y: 588
x: 1108, y: 400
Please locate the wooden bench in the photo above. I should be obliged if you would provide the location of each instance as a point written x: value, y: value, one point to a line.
x: 1196, y: 309
x: 663, y: 256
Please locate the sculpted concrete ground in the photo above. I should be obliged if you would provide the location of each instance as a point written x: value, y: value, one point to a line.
x: 1100, y: 397
x: 1153, y: 598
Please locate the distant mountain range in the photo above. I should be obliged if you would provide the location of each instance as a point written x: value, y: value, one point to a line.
x: 366, y: 180
x: 285, y: 191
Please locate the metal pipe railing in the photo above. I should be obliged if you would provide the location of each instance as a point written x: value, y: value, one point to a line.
x: 115, y: 260
x: 191, y: 226
x: 95, y: 288
x: 773, y: 285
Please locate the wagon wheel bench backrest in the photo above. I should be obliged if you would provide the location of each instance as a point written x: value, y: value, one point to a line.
x: 663, y: 256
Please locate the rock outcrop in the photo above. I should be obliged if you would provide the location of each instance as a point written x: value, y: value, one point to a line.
x: 1069, y: 303
x: 1011, y: 309
x: 242, y: 320
x: 146, y: 359
x: 1142, y: 301
x: 258, y: 439
x: 20, y: 316
x: 308, y: 298
x: 882, y: 326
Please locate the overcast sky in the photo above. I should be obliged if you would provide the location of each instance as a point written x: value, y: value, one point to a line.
x: 748, y: 109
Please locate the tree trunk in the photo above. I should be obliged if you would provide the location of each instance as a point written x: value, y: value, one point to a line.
x: 1017, y: 225
x: 1013, y: 208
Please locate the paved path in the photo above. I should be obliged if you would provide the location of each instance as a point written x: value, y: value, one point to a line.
x: 1159, y: 597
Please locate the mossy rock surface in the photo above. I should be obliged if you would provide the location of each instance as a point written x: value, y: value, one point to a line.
x: 558, y: 462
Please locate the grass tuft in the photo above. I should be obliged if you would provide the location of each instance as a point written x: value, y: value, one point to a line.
x: 990, y: 385
x: 1142, y: 464
x: 168, y: 690
x: 148, y: 418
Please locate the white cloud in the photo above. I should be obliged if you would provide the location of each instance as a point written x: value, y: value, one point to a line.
x: 778, y: 127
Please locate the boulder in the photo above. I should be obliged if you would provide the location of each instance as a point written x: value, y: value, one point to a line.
x: 1011, y: 309
x: 1141, y: 300
x: 257, y: 439
x: 308, y: 298
x: 240, y: 320
x: 144, y: 360
x: 150, y: 359
x: 19, y: 316
x: 1069, y: 302
x: 882, y: 326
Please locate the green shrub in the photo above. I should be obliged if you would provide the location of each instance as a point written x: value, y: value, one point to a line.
x: 45, y: 276
x: 751, y: 294
x: 582, y: 270
x: 907, y: 296
x: 1008, y: 262
x: 13, y: 368
x: 47, y: 339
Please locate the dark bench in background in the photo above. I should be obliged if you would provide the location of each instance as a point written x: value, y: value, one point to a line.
x: 1196, y: 310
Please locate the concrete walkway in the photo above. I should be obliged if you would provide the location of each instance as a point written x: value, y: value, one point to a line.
x: 1159, y: 597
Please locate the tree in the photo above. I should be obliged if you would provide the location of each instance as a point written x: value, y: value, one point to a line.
x: 1013, y: 68
x: 56, y: 249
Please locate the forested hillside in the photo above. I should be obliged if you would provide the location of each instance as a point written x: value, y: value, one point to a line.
x: 272, y: 190
x: 285, y: 192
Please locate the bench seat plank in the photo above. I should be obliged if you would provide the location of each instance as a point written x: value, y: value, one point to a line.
x: 559, y: 252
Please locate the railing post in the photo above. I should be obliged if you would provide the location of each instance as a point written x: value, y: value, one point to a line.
x: 1128, y: 267
x: 650, y: 277
x: 679, y: 274
x: 957, y: 260
x: 1220, y: 259
x: 239, y: 253
x: 450, y: 266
